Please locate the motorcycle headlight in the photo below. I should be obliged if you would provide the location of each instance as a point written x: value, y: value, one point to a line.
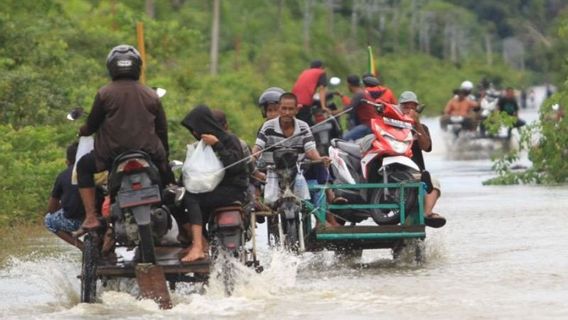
x: 398, y: 146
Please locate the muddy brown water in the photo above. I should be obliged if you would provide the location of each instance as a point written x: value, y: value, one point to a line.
x: 502, y: 255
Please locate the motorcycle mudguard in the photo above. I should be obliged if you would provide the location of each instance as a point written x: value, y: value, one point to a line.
x: 405, y: 161
x: 365, y: 162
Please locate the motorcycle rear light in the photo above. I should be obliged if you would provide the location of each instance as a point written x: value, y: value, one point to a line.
x: 229, y: 218
x: 136, y: 186
x: 231, y: 245
x: 132, y: 165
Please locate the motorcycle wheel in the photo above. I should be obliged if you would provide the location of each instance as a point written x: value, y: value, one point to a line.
x: 146, y: 246
x: 386, y: 216
x: 89, y: 268
x: 292, y: 239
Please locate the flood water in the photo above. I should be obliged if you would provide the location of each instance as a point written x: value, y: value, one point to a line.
x: 502, y: 255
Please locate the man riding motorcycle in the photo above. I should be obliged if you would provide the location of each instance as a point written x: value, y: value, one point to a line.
x: 126, y: 115
x: 461, y: 106
x: 362, y: 110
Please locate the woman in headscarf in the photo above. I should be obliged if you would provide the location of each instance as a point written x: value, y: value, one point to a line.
x: 203, y: 126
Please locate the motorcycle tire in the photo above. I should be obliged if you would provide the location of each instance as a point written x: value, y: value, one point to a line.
x: 89, y: 268
x: 146, y: 245
x: 292, y: 235
x: 387, y: 216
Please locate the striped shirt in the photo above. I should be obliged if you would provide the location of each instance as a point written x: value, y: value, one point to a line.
x: 271, y: 134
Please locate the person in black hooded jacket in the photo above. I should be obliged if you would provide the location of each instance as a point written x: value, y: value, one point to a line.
x: 203, y: 126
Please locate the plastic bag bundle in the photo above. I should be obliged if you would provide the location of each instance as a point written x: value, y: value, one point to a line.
x: 271, y: 189
x: 86, y: 145
x: 301, y: 189
x: 202, y: 170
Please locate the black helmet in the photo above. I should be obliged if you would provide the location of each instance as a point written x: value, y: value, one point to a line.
x: 124, y: 62
x: 270, y: 95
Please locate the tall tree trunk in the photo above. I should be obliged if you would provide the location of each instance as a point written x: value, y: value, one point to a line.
x: 215, y: 38
x: 307, y: 23
x: 488, y: 49
x: 412, y: 33
x: 150, y: 9
x: 281, y: 5
x: 354, y: 18
x: 330, y: 6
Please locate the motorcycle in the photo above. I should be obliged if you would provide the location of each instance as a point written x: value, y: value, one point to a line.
x: 384, y: 156
x: 289, y: 226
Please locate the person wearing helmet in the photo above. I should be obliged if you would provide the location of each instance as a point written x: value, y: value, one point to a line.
x: 268, y: 102
x: 126, y: 115
x: 378, y: 91
x: 467, y: 87
x: 408, y: 104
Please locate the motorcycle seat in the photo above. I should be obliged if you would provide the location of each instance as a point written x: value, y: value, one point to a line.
x: 351, y: 148
x: 366, y: 142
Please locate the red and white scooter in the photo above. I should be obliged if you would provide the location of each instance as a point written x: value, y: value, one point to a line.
x: 384, y: 156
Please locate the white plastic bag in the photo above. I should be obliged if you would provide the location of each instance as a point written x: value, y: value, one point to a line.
x: 86, y: 145
x: 301, y: 189
x: 271, y: 189
x: 202, y: 170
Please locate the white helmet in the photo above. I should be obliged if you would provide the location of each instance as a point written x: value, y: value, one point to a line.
x: 466, y: 85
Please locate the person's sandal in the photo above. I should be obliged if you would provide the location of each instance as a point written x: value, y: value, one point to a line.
x: 434, y: 220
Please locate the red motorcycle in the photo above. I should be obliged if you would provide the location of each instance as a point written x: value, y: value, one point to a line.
x: 384, y: 156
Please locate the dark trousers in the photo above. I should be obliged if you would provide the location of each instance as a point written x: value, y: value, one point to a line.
x: 198, y: 206
x: 305, y: 114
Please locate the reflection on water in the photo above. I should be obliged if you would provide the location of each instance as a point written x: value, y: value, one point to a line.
x: 501, y: 256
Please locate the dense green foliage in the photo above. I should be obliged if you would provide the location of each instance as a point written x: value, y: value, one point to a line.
x: 546, y: 141
x: 52, y: 56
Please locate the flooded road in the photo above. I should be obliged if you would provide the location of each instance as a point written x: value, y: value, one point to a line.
x: 502, y: 255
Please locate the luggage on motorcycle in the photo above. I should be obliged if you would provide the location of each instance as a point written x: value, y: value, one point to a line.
x: 301, y: 186
x: 86, y: 144
x: 271, y: 189
x: 202, y: 170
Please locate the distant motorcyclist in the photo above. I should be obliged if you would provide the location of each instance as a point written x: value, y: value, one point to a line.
x: 310, y: 82
x: 508, y: 104
x: 126, y: 115
x: 461, y: 105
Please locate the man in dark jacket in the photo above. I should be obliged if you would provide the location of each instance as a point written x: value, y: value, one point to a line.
x: 203, y: 126
x: 126, y: 115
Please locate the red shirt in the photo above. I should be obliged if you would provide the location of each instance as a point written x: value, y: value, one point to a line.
x: 306, y: 85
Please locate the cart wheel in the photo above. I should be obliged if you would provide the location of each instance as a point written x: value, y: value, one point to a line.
x: 89, y: 268
x: 420, y: 251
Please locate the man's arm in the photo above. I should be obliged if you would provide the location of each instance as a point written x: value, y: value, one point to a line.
x: 53, y: 205
x: 95, y: 118
x: 161, y: 127
x: 449, y: 107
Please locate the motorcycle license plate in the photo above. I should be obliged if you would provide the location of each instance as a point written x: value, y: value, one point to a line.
x: 144, y: 196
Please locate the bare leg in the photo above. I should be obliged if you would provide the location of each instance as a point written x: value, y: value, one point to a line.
x: 88, y: 198
x: 198, y: 246
x: 430, y: 201
x: 67, y: 237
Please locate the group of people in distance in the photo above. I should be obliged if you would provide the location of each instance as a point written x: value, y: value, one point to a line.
x: 126, y: 115
x: 470, y: 107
